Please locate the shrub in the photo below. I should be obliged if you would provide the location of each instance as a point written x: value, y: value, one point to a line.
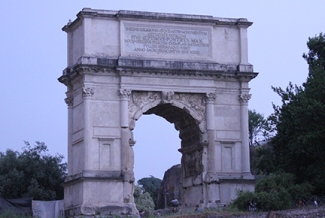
x: 274, y: 192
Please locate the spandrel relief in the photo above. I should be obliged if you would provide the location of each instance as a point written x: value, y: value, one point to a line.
x: 138, y: 99
x: 193, y: 101
x: 142, y: 99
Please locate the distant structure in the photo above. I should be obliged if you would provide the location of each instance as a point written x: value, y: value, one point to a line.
x: 171, y: 187
x: 192, y: 70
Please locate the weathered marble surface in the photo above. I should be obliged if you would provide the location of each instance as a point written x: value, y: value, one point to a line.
x: 192, y: 70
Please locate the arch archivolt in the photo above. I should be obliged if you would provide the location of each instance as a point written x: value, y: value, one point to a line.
x: 193, y: 104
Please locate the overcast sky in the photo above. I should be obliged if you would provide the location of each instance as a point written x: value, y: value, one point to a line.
x: 33, y: 55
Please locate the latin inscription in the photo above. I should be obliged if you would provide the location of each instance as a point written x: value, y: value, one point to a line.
x: 164, y: 40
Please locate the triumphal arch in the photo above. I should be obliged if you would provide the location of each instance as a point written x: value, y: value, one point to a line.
x: 192, y: 70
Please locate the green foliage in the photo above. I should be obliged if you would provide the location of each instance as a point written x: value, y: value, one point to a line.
x: 300, y: 122
x: 143, y: 200
x: 274, y: 192
x: 256, y: 125
x: 32, y: 173
x: 10, y: 214
x: 152, y: 186
x: 262, y: 159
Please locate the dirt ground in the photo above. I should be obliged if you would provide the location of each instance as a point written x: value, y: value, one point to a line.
x: 306, y: 212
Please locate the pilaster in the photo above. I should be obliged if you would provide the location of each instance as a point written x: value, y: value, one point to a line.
x: 210, y: 99
x: 124, y: 111
x: 211, y: 178
x: 244, y: 98
x: 69, y: 101
x: 87, y: 93
x: 126, y: 149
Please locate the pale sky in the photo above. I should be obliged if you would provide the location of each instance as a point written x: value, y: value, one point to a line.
x: 33, y: 55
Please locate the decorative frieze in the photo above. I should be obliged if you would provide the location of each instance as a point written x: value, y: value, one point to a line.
x: 142, y: 98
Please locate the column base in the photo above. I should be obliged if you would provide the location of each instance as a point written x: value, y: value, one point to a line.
x: 90, y: 210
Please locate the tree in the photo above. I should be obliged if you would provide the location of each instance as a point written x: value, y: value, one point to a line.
x: 143, y: 200
x: 256, y: 125
x: 151, y: 185
x: 300, y: 122
x: 32, y: 173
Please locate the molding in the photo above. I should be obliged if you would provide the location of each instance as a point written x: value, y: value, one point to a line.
x: 223, y: 180
x: 130, y: 66
x: 92, y: 210
x: 93, y: 175
x: 183, y: 65
x: 154, y: 16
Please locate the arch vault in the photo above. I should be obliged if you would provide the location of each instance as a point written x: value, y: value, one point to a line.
x: 192, y: 70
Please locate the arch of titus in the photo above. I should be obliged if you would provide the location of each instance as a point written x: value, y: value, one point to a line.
x: 192, y: 70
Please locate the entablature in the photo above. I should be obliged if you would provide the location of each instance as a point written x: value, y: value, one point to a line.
x: 131, y: 66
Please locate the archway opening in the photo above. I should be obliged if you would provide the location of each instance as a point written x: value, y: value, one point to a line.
x: 156, y: 147
x: 161, y: 145
x: 159, y: 136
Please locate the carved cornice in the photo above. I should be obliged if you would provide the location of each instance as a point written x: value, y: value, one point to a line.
x: 246, y: 76
x: 128, y: 66
x: 244, y: 98
x: 141, y: 15
x: 87, y: 92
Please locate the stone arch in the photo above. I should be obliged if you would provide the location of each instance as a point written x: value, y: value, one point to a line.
x: 187, y: 112
x: 191, y: 106
x: 195, y: 86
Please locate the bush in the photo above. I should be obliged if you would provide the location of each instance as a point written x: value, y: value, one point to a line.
x: 143, y: 201
x: 274, y: 192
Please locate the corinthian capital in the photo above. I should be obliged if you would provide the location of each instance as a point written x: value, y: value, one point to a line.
x: 211, y: 97
x: 69, y: 101
x: 244, y: 98
x: 87, y: 92
x: 125, y: 93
